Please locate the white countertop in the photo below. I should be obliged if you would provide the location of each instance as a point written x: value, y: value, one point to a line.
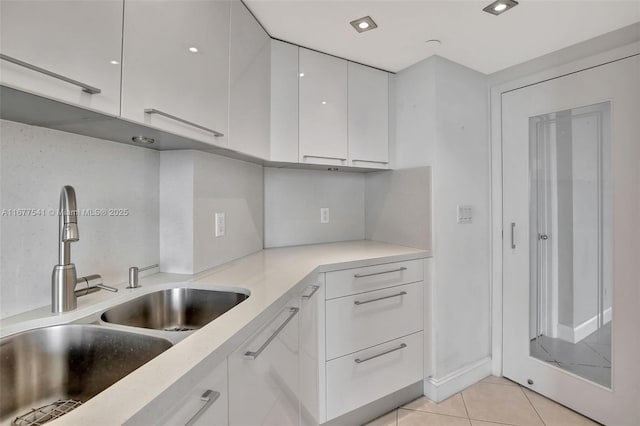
x: 272, y: 276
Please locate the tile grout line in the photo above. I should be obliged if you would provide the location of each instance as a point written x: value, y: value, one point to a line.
x: 466, y: 410
x: 431, y: 412
x: 533, y: 406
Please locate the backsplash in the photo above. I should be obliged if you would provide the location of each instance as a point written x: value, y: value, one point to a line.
x: 293, y: 199
x: 34, y: 165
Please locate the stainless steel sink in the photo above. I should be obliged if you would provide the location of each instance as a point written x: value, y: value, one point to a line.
x: 176, y: 309
x: 67, y: 362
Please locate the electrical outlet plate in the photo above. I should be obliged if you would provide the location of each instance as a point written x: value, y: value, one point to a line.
x: 221, y: 227
x: 324, y: 215
x: 465, y: 214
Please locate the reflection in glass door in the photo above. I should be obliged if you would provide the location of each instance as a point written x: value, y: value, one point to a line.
x: 570, y: 241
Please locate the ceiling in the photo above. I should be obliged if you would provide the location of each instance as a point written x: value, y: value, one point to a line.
x: 469, y: 36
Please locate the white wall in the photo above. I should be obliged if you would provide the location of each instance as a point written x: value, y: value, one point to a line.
x: 193, y: 187
x: 398, y: 207
x: 293, y: 199
x: 34, y: 165
x: 442, y: 122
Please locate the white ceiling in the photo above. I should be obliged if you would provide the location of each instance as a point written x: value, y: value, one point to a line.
x: 469, y: 36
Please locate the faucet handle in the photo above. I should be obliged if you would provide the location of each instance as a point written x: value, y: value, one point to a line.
x: 92, y: 284
x: 133, y: 275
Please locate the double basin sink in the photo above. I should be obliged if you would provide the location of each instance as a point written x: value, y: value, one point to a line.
x: 55, y: 368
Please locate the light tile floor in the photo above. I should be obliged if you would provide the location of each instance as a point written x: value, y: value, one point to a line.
x: 493, y: 401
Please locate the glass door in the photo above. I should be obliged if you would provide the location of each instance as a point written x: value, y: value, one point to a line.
x: 571, y: 239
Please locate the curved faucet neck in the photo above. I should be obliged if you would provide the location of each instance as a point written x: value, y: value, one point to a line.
x: 67, y: 224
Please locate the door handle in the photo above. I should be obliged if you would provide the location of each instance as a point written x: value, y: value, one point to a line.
x: 513, y: 235
x: 255, y: 354
x: 208, y: 397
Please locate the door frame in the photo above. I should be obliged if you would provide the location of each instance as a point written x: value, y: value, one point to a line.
x: 495, y: 105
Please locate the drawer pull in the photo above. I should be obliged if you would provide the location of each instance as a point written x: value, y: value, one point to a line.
x: 208, y: 397
x: 325, y: 158
x: 314, y: 288
x: 360, y: 361
x: 183, y: 121
x: 357, y: 302
x: 85, y: 87
x: 256, y: 354
x: 380, y: 273
x: 370, y: 161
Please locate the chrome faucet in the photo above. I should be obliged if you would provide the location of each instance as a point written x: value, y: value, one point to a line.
x: 64, y: 296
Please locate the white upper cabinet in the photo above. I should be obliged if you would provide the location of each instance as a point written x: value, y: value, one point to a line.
x: 323, y: 109
x: 368, y: 117
x: 176, y: 67
x: 249, y: 84
x: 284, y: 102
x: 64, y: 50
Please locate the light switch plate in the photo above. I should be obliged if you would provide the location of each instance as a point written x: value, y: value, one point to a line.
x: 221, y: 227
x: 324, y: 215
x: 465, y: 214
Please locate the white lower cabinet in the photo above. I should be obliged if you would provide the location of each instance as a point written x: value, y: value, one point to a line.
x: 311, y: 313
x: 365, y: 376
x: 198, y: 398
x: 264, y: 373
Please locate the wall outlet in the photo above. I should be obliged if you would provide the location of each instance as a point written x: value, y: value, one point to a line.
x: 324, y: 215
x: 465, y: 214
x: 221, y: 227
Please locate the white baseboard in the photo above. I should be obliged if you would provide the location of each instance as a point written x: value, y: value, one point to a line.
x: 440, y: 389
x: 574, y: 335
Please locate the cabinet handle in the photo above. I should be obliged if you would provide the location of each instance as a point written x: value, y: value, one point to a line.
x: 85, y: 87
x: 326, y: 158
x: 513, y: 235
x: 256, y: 354
x: 359, y: 361
x: 314, y: 288
x: 380, y: 273
x: 402, y: 293
x: 208, y: 397
x: 370, y: 161
x: 182, y: 120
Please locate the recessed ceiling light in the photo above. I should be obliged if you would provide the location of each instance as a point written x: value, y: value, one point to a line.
x: 324, y: 102
x: 193, y: 49
x: 114, y: 62
x: 363, y: 24
x: 433, y: 42
x: 500, y: 6
x: 143, y: 140
x: 301, y: 74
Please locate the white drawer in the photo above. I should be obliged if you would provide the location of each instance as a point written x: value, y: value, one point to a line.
x: 363, y: 320
x: 381, y: 370
x: 358, y: 280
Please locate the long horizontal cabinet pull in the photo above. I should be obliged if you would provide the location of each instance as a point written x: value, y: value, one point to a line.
x: 370, y: 161
x: 326, y: 158
x: 360, y: 361
x: 182, y: 120
x: 314, y: 288
x: 208, y: 397
x: 256, y: 354
x: 357, y: 302
x: 85, y: 87
x: 380, y: 273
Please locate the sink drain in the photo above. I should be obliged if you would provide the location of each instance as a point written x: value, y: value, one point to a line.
x: 46, y: 413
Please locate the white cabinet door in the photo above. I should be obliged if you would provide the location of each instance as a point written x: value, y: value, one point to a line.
x: 199, y: 398
x: 264, y: 374
x: 284, y: 102
x: 176, y: 67
x: 323, y: 109
x: 249, y: 84
x: 368, y: 117
x: 75, y: 47
x: 311, y: 305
